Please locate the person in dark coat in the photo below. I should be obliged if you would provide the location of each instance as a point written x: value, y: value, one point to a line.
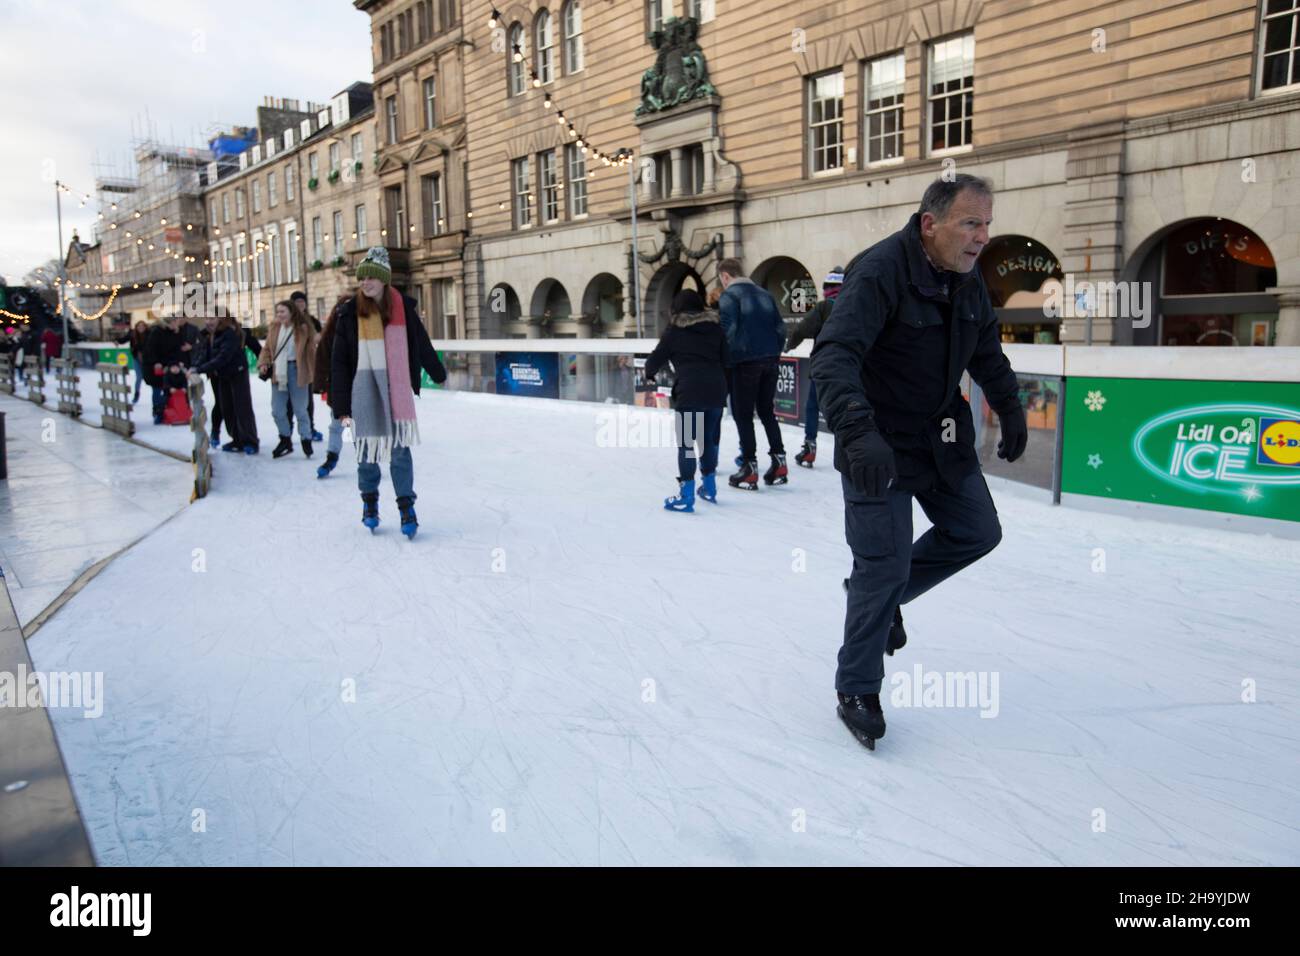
x: 382, y: 418
x: 913, y: 314
x: 227, y: 365
x: 165, y: 355
x: 696, y: 347
x: 755, y: 338
x: 51, y: 345
x: 809, y: 327
x: 298, y: 302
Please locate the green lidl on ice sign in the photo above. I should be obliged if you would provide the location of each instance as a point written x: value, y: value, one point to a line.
x: 1217, y: 446
x: 425, y: 381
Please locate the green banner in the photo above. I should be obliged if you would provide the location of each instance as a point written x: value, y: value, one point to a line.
x: 425, y: 381
x: 120, y: 356
x: 1217, y: 446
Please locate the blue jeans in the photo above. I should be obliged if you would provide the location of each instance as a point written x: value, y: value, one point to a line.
x: 138, y: 379
x: 335, y: 445
x: 279, y: 400
x: 160, y: 393
x: 700, y: 427
x: 400, y: 469
x: 810, y: 413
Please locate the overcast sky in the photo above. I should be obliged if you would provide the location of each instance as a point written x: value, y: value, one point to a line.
x: 76, y: 76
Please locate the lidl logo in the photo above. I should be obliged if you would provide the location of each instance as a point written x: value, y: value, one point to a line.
x: 1224, y: 449
x: 1279, y: 442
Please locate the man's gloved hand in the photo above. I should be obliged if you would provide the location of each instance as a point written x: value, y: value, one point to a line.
x: 1015, y: 434
x: 865, y: 458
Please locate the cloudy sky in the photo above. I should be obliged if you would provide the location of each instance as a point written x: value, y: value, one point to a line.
x: 78, y: 79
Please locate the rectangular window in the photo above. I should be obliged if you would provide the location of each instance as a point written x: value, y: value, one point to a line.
x: 288, y: 183
x: 550, y: 186
x: 654, y: 12
x: 259, y: 260
x: 317, y: 243
x: 826, y: 122
x: 421, y: 24
x: 270, y: 189
x: 241, y: 259
x: 430, y: 103
x: 385, y: 50
x: 338, y: 233
x: 395, y: 214
x: 573, y: 51
x: 225, y: 207
x: 447, y: 305
x: 390, y: 114
x: 313, y: 166
x: 663, y: 176
x: 693, y: 165
x: 334, y: 157
x: 239, y: 204
x: 1281, y: 46
x: 884, y: 108
x: 276, y: 258
x: 257, y: 195
x: 291, y: 248
x: 545, y: 47
x: 950, y: 79
x: 577, y: 165
x: 227, y: 253
x: 215, y: 220
x: 358, y: 148
x: 523, y: 194
x: 361, y: 227
x: 447, y: 13
x: 431, y: 196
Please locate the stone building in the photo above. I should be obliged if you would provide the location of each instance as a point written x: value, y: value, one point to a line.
x: 1148, y: 147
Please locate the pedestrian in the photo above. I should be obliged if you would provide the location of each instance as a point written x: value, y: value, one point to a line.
x: 52, y: 345
x: 226, y: 363
x: 203, y: 352
x: 298, y: 300
x: 380, y: 345
x: 164, y: 359
x: 287, y: 359
x: 912, y: 315
x: 810, y: 327
x: 755, y: 338
x: 693, y: 342
x: 135, y: 342
x: 321, y: 382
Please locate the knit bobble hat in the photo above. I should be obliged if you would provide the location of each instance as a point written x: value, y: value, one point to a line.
x: 375, y: 265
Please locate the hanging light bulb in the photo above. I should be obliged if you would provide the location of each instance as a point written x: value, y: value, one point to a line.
x: 519, y: 54
x: 494, y: 19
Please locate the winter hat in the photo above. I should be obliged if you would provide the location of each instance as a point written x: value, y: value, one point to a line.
x: 375, y: 265
x: 688, y: 300
x: 834, y: 277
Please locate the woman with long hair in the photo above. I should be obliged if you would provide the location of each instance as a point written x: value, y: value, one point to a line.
x: 227, y: 364
x: 380, y: 345
x: 320, y: 382
x: 286, y: 359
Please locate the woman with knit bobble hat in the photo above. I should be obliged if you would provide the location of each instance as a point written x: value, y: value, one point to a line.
x: 380, y: 345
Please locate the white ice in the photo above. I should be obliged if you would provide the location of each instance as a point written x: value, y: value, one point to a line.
x: 558, y: 671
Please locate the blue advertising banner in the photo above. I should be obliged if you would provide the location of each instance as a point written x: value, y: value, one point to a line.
x: 535, y: 374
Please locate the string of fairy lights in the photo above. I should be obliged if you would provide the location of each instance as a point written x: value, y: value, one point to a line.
x: 577, y: 136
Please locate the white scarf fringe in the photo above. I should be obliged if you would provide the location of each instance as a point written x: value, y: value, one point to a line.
x: 380, y: 449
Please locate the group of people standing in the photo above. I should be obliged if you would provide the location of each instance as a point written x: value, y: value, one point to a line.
x: 21, y: 343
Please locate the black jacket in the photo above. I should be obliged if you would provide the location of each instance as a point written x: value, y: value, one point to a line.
x: 162, y: 347
x: 343, y: 361
x: 893, y: 351
x: 695, y: 344
x: 224, y: 356
x: 810, y: 326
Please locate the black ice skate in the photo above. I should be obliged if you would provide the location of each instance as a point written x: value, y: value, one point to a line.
x: 747, y: 477
x: 777, y: 473
x: 861, y: 713
x: 807, y: 455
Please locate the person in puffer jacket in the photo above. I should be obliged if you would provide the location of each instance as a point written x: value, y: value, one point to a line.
x: 697, y: 349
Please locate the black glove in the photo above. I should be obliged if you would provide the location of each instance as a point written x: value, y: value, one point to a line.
x: 866, y: 459
x: 1015, y: 434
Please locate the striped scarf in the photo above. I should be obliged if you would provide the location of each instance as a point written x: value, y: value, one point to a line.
x: 383, y: 406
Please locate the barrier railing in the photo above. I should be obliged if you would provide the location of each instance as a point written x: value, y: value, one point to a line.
x: 7, y: 373
x: 67, y: 386
x: 199, y: 427
x: 113, y: 398
x: 34, y: 372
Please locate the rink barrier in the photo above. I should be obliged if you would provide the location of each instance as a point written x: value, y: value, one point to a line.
x: 198, y: 427
x: 40, y: 824
x: 67, y: 387
x: 35, y: 375
x: 114, y: 390
x: 7, y: 373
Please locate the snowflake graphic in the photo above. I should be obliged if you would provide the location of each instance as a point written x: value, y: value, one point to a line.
x: 1094, y: 401
x: 1252, y: 493
x: 1094, y: 461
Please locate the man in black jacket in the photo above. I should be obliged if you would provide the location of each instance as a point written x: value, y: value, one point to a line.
x: 912, y: 315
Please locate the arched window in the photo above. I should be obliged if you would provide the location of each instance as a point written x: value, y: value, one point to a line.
x: 517, y: 47
x: 545, y: 39
x: 572, y: 36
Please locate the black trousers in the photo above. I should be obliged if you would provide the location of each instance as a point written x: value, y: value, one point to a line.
x: 753, y: 387
x: 237, y: 408
x: 889, y: 569
x: 214, y: 383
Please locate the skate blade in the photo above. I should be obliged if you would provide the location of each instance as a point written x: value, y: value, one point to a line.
x: 866, y: 741
x: 805, y: 464
x: 777, y: 481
